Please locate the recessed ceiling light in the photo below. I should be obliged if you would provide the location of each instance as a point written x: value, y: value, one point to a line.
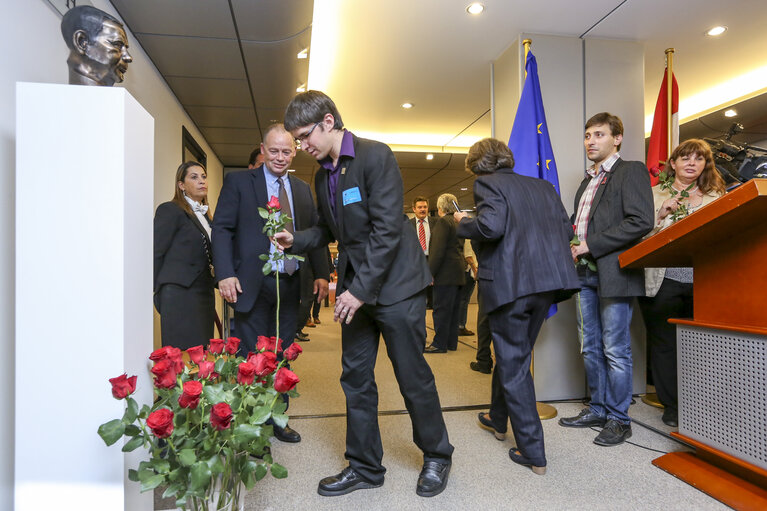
x: 303, y: 54
x: 407, y: 106
x: 475, y: 8
x: 718, y: 30
x: 464, y: 189
x: 301, y: 88
x: 730, y: 113
x: 429, y: 156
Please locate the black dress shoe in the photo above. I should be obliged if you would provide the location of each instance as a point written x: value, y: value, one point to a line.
x: 670, y: 417
x: 614, y: 433
x: 465, y: 331
x: 286, y: 434
x: 345, y: 482
x: 486, y: 423
x: 433, y: 478
x: 302, y: 337
x: 519, y: 459
x: 476, y: 366
x: 585, y: 419
x: 433, y: 349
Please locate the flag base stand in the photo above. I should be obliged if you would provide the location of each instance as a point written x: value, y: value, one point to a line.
x: 545, y: 411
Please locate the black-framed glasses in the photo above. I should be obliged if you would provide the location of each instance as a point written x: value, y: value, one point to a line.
x: 303, y: 137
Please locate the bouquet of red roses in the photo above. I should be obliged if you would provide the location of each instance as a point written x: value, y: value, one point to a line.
x: 206, y: 431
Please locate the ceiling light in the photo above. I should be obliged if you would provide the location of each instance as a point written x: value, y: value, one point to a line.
x: 719, y: 30
x: 730, y: 113
x: 407, y: 106
x: 475, y: 8
x: 464, y: 189
x: 301, y: 88
x: 429, y: 156
x: 303, y: 54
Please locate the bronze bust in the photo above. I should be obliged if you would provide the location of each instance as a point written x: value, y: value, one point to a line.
x: 98, y: 47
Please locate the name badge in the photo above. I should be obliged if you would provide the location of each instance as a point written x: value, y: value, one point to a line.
x: 352, y: 195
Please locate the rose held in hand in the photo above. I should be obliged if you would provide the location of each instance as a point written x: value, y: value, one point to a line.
x: 161, y: 422
x: 122, y: 386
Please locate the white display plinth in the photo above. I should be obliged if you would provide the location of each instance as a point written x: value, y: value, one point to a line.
x: 84, y: 204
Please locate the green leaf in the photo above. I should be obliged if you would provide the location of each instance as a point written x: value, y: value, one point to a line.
x: 279, y: 408
x: 267, y: 269
x: 152, y: 482
x: 260, y: 472
x: 134, y: 443
x: 278, y: 471
x: 132, y: 475
x: 214, y: 394
x: 264, y: 257
x: 215, y: 464
x: 161, y: 466
x: 187, y: 457
x: 263, y: 213
x: 112, y: 431
x: 245, y: 433
x: 145, y: 411
x: 172, y: 490
x: 280, y: 420
x: 131, y: 411
x: 132, y: 430
x: 200, y: 476
x: 260, y: 415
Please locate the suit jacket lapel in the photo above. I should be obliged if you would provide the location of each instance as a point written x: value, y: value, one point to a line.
x: 259, y: 188
x: 196, y: 222
x: 323, y: 200
x: 604, y: 178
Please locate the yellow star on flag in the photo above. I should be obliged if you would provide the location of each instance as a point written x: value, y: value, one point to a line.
x: 539, y: 129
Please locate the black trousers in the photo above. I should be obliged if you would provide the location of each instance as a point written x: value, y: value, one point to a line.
x: 447, y: 306
x: 515, y: 327
x: 484, y: 337
x: 187, y: 315
x: 674, y: 300
x: 403, y: 327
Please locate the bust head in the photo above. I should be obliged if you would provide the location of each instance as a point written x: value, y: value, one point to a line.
x: 98, y: 47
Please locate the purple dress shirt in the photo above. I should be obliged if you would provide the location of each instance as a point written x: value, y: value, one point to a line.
x: 347, y: 149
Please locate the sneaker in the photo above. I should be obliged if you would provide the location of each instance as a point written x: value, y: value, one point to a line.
x: 614, y: 433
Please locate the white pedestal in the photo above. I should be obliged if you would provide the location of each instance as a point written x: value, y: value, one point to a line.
x: 84, y: 204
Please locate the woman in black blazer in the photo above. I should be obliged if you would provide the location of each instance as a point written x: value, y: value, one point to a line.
x: 183, y: 269
x: 448, y: 268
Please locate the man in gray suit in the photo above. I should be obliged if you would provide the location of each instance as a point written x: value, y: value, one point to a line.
x: 522, y: 236
x: 613, y: 210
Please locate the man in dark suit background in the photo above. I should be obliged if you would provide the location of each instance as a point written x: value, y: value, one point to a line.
x: 613, y: 210
x: 238, y: 241
x: 522, y: 237
x: 380, y: 291
x: 423, y: 223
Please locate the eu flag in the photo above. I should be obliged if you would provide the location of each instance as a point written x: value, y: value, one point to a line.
x: 529, y: 139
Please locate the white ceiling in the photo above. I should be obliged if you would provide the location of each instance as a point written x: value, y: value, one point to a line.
x: 232, y: 64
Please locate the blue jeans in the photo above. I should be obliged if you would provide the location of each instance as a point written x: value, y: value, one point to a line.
x: 603, y: 329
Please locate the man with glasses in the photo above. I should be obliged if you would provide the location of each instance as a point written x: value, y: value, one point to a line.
x: 382, y: 275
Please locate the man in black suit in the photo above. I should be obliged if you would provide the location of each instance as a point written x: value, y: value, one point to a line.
x: 522, y: 237
x: 423, y: 223
x: 380, y: 291
x: 613, y: 210
x: 238, y: 241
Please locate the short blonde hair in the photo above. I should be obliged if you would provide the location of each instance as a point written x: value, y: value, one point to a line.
x: 445, y: 203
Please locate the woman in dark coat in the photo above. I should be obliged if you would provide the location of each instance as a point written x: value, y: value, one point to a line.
x: 183, y: 270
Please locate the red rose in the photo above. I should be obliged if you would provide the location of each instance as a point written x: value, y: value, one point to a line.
x: 232, y: 344
x: 216, y: 346
x: 159, y: 354
x: 265, y: 363
x: 267, y: 343
x: 175, y: 356
x: 221, y: 416
x: 285, y: 380
x: 160, y: 422
x: 206, y: 369
x: 122, y: 386
x: 196, y: 354
x: 293, y: 351
x: 246, y: 373
x: 165, y: 373
x: 274, y: 203
x: 190, y: 398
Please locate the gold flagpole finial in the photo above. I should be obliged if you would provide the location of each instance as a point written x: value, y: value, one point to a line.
x: 669, y: 99
x: 526, y: 43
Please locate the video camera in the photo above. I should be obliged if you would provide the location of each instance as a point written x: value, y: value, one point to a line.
x: 737, y: 163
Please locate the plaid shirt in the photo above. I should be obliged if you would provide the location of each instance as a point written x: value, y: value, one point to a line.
x: 584, y: 206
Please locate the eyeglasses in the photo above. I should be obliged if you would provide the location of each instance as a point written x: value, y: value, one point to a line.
x: 301, y: 138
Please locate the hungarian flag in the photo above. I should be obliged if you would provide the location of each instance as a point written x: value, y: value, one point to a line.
x: 657, y: 153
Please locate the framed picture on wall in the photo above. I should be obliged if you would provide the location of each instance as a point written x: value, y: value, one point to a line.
x: 191, y: 150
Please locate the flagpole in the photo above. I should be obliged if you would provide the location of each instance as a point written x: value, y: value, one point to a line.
x: 669, y: 99
x: 545, y: 411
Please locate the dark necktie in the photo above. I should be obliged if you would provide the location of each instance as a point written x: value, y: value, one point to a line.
x: 290, y: 265
x: 422, y: 235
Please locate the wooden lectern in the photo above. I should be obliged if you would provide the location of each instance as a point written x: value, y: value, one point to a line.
x: 722, y: 351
